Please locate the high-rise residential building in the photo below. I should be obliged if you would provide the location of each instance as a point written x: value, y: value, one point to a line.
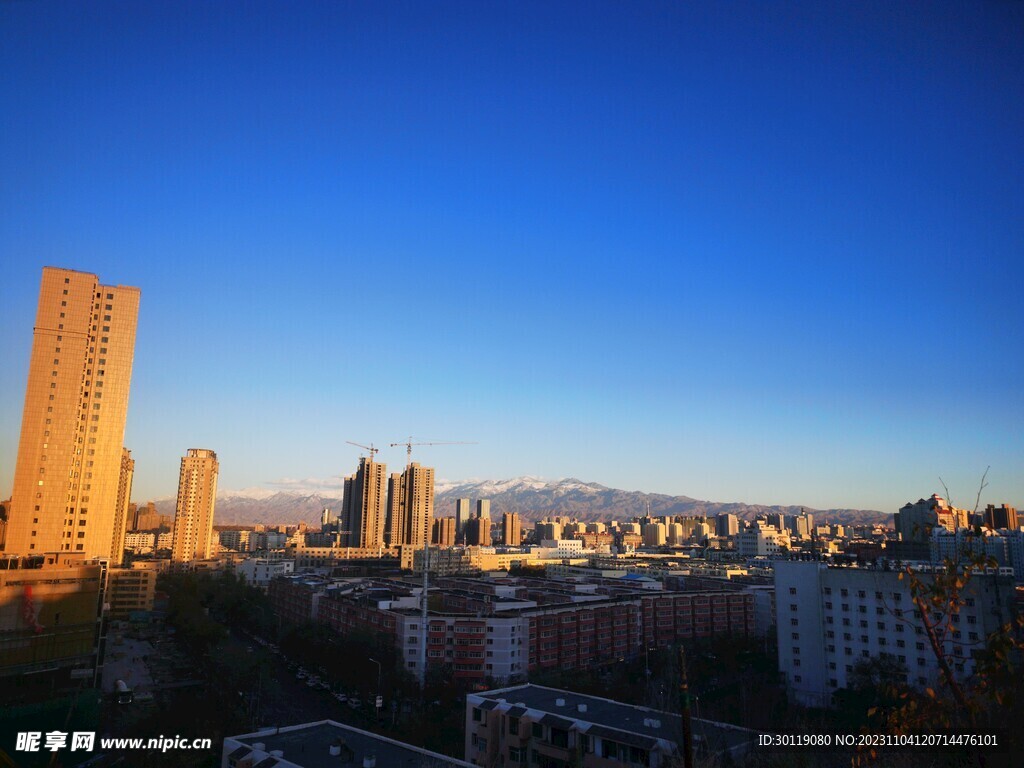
x: 124, y: 492
x: 915, y: 522
x: 461, y: 515
x: 147, y: 518
x: 483, y: 508
x: 197, y: 494
x: 1003, y: 516
x: 548, y: 530
x: 444, y: 532
x: 412, y: 515
x: 655, y: 535
x: 727, y: 524
x: 69, y: 467
x: 328, y: 521
x: 478, y: 532
x: 362, y: 513
x: 393, y: 513
x: 511, y: 530
x: 830, y: 618
x: 674, y: 534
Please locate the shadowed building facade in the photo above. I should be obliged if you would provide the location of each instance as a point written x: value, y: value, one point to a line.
x: 363, y: 505
x: 444, y: 532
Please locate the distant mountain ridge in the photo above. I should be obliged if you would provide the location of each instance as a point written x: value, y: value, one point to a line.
x: 532, y: 497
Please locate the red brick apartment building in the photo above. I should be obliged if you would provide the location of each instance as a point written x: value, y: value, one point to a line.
x: 505, y: 629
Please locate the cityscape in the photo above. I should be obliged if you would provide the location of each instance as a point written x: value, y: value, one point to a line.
x: 220, y: 545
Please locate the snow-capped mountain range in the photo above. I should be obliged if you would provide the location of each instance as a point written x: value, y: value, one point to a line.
x: 533, y: 497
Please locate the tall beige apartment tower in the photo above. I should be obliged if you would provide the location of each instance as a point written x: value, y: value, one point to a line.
x: 124, y: 493
x: 511, y: 530
x: 193, y: 517
x: 415, y: 508
x: 68, y: 478
x: 363, y: 505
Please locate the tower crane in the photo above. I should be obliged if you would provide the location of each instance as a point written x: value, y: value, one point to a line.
x: 373, y: 451
x: 409, y: 444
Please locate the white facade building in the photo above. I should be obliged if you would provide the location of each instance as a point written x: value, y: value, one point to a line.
x: 759, y: 540
x: 140, y: 543
x: 258, y: 571
x: 830, y: 618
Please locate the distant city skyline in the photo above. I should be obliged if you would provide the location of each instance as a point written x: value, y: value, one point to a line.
x: 767, y: 254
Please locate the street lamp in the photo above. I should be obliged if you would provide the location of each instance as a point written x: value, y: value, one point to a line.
x: 377, y: 699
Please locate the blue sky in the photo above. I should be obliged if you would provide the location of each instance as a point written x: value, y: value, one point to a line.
x: 762, y: 252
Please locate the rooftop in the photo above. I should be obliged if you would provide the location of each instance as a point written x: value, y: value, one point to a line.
x: 607, y: 716
x: 309, y: 746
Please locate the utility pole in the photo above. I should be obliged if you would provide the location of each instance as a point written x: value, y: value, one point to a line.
x: 684, y: 711
x: 426, y: 562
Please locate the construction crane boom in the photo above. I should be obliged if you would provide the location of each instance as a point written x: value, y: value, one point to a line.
x: 409, y: 444
x: 373, y: 451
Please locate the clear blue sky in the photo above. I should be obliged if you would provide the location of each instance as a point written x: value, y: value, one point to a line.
x: 762, y: 252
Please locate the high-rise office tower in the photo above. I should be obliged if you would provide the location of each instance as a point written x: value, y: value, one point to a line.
x: 68, y: 473
x: 511, y: 530
x: 124, y: 492
x: 193, y: 517
x: 461, y: 516
x: 412, y: 515
x: 483, y: 508
x: 363, y: 505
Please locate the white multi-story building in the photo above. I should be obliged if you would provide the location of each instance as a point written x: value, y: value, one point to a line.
x: 760, y: 540
x: 830, y: 618
x: 501, y: 643
x: 944, y: 545
x: 558, y: 549
x: 140, y: 543
x: 1015, y: 543
x: 258, y: 571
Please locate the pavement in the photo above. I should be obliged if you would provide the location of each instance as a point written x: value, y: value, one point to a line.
x: 125, y: 660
